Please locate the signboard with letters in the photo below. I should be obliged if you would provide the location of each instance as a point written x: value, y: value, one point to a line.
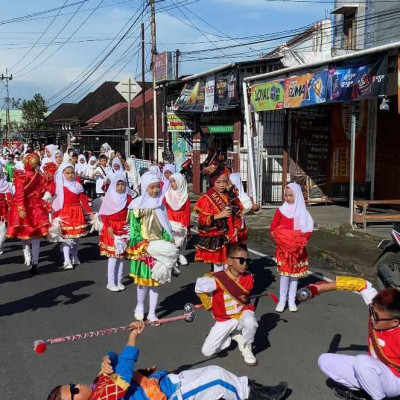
x: 163, y: 67
x: 267, y: 96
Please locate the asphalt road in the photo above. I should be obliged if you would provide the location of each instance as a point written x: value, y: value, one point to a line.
x: 58, y: 303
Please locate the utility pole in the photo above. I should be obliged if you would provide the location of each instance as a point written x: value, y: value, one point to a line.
x: 5, y: 79
x: 177, y: 55
x: 143, y: 97
x: 153, y: 53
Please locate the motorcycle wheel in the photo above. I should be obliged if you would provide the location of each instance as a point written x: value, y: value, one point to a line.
x: 392, y: 260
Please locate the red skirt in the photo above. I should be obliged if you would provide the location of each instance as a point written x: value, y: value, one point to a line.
x: 73, y: 223
x: 295, y: 267
x: 106, y: 244
x: 211, y: 249
x: 35, y: 225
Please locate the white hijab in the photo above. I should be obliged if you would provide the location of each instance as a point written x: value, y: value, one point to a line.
x: 89, y: 167
x: 302, y: 218
x: 243, y: 196
x: 4, y: 185
x: 81, y: 167
x: 117, y: 161
x: 113, y: 201
x: 61, y: 182
x: 133, y: 175
x: 144, y: 201
x: 178, y: 197
x: 155, y: 171
x: 170, y: 168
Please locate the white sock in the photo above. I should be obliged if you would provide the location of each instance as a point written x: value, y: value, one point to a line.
x: 283, y: 289
x: 120, y: 271
x: 112, y: 264
x: 35, y: 250
x: 292, y: 291
x: 153, y: 300
x: 26, y: 249
x: 141, y: 297
x: 67, y: 253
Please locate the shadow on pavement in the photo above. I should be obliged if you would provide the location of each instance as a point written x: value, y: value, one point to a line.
x: 221, y: 354
x: 334, y: 346
x: 47, y: 299
x: 266, y: 324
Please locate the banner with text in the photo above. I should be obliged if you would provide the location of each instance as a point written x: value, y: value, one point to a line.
x: 267, y: 96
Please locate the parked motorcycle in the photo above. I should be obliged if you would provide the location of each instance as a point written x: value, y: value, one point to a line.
x: 388, y: 264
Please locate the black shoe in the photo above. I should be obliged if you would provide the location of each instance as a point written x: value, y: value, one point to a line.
x: 261, y: 392
x: 344, y: 393
x: 34, y: 269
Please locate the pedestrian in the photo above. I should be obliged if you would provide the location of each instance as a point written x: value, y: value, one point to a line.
x: 5, y: 194
x: 68, y: 207
x: 100, y: 175
x: 9, y: 167
x: 89, y: 184
x: 291, y: 228
x: 133, y: 175
x: 167, y: 171
x: 236, y: 191
x: 113, y: 213
x: 49, y: 167
x: 81, y: 166
x: 58, y: 156
x: 227, y: 293
x: 118, y: 380
x: 28, y: 219
x: 149, y: 223
x: 375, y: 375
x: 216, y: 219
x: 177, y: 204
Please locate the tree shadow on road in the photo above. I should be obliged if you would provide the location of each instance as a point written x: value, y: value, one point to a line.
x: 47, y: 299
x: 176, y: 301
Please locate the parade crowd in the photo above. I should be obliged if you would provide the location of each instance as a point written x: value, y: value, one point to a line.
x: 145, y: 218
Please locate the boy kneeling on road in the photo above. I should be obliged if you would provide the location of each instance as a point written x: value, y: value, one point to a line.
x: 117, y: 380
x: 227, y: 294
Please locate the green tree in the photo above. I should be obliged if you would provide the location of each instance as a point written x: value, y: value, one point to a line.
x: 34, y: 112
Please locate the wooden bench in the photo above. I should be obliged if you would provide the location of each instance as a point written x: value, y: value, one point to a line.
x: 361, y: 207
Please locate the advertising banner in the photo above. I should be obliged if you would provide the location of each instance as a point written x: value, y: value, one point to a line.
x: 357, y: 80
x: 227, y: 95
x: 306, y: 90
x: 180, y: 123
x: 267, y: 96
x: 163, y: 67
x: 209, y: 94
x: 181, y: 145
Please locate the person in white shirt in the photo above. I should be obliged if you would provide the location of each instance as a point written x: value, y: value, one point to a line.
x: 100, y: 174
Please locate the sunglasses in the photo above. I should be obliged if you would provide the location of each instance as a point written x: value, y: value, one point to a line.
x: 73, y: 390
x: 242, y: 260
x: 375, y: 316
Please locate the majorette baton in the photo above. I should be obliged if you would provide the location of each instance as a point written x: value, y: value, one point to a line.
x: 40, y: 346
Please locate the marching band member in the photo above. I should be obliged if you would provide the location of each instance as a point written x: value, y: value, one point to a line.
x: 113, y: 212
x: 226, y: 293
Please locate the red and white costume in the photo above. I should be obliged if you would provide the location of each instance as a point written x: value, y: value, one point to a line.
x: 234, y: 318
x: 291, y: 228
x: 5, y: 189
x: 68, y: 207
x: 177, y: 204
x: 113, y: 212
x: 378, y: 372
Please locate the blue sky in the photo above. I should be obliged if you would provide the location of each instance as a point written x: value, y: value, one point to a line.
x: 175, y: 26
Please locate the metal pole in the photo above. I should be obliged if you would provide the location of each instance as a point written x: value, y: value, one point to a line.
x: 249, y: 142
x: 154, y: 52
x: 352, y: 159
x: 128, y: 147
x: 164, y: 119
x: 177, y: 54
x: 143, y: 98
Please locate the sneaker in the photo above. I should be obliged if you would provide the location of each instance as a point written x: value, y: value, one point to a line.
x: 112, y: 287
x: 175, y: 271
x: 292, y: 308
x: 75, y: 261
x: 121, y: 286
x: 153, y: 320
x: 139, y: 316
x: 261, y: 392
x: 344, y: 393
x: 280, y: 308
x: 67, y: 266
x: 248, y: 355
x: 183, y: 260
x: 238, y: 338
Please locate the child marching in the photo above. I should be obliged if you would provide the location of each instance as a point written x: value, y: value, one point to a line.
x: 69, y: 205
x: 151, y: 247
x: 177, y: 204
x: 113, y: 212
x: 291, y: 228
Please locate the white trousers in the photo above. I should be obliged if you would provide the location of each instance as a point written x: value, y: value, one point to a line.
x: 26, y: 246
x: 209, y: 383
x: 361, y: 372
x: 219, y: 337
x: 287, y: 286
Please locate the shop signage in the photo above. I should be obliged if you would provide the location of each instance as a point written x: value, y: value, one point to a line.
x: 358, y: 80
x: 306, y: 90
x: 163, y: 67
x: 217, y: 129
x: 267, y: 96
x: 180, y: 123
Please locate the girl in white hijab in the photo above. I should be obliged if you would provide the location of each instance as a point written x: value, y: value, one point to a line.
x: 291, y: 228
x: 133, y: 175
x: 167, y: 171
x: 177, y: 203
x: 151, y: 247
x: 90, y: 185
x: 69, y: 205
x: 81, y: 165
x: 113, y: 212
x: 5, y: 192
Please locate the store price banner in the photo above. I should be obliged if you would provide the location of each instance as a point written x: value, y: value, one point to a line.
x: 358, y: 79
x: 306, y: 89
x: 267, y: 96
x: 180, y: 123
